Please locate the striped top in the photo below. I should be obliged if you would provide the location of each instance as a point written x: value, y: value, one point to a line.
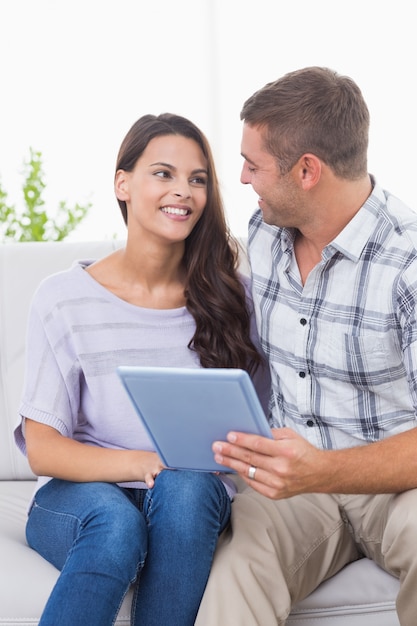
x: 78, y: 333
x: 343, y: 347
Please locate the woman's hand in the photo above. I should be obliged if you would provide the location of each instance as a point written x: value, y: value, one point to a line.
x: 152, y: 466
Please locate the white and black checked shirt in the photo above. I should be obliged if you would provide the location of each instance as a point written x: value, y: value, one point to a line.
x: 343, y: 347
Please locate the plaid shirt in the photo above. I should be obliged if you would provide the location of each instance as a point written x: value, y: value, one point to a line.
x: 343, y: 347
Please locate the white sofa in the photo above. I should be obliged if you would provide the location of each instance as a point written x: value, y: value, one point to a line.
x: 360, y: 595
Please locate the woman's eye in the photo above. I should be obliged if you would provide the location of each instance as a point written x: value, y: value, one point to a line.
x: 163, y: 174
x: 199, y: 180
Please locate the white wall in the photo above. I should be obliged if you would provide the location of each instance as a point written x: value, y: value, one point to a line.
x: 76, y: 74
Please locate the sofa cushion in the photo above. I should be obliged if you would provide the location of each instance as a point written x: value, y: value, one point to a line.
x: 361, y: 594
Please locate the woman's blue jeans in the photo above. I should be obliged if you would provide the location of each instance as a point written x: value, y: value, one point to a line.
x: 103, y: 538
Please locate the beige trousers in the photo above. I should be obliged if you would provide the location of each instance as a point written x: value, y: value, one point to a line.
x: 277, y: 552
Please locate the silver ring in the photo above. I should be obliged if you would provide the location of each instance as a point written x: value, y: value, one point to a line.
x: 252, y: 472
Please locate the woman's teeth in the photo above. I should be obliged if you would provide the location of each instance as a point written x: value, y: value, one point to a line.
x: 174, y: 211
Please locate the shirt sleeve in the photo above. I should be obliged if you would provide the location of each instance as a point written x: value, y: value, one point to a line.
x: 46, y: 397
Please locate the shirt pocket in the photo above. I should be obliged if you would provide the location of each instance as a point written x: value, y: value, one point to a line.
x: 371, y: 361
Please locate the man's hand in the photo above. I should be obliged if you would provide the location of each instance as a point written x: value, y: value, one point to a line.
x: 286, y: 465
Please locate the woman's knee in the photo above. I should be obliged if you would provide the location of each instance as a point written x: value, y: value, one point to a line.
x: 188, y: 488
x: 94, y: 521
x: 190, y: 499
x: 120, y: 531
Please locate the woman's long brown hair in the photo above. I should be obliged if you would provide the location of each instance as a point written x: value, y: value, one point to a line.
x: 214, y: 293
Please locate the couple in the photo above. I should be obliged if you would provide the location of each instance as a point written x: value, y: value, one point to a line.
x: 334, y: 287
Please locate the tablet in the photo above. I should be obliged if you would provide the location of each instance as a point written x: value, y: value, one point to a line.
x: 185, y: 410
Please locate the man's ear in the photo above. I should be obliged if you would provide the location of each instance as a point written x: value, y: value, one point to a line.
x: 121, y: 186
x: 309, y: 171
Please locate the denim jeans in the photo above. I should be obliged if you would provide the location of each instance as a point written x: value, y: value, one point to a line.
x: 103, y: 538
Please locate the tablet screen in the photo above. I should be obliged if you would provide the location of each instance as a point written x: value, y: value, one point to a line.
x: 185, y: 410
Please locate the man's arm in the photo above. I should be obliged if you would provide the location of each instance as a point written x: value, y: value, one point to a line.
x: 289, y: 465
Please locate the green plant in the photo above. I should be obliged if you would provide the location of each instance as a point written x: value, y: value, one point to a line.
x: 34, y: 223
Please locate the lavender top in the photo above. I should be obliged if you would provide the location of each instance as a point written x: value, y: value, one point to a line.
x: 78, y: 333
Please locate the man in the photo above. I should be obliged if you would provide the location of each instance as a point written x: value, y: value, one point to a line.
x: 334, y: 267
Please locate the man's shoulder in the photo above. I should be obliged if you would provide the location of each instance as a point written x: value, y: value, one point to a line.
x: 400, y: 225
x: 397, y: 212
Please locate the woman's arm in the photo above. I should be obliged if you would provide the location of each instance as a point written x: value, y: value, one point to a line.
x: 52, y: 454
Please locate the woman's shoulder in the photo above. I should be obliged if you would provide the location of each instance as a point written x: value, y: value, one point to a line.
x: 71, y: 282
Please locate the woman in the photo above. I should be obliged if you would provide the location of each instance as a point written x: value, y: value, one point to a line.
x: 106, y: 513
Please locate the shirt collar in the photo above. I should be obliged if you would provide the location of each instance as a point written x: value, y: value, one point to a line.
x: 353, y: 238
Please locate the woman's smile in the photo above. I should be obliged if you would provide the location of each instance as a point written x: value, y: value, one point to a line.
x: 176, y: 211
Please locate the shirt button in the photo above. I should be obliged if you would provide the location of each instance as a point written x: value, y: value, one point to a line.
x: 303, y: 321
x: 310, y: 423
x: 302, y: 374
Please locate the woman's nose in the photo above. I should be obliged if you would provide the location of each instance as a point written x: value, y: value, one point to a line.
x: 182, y: 191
